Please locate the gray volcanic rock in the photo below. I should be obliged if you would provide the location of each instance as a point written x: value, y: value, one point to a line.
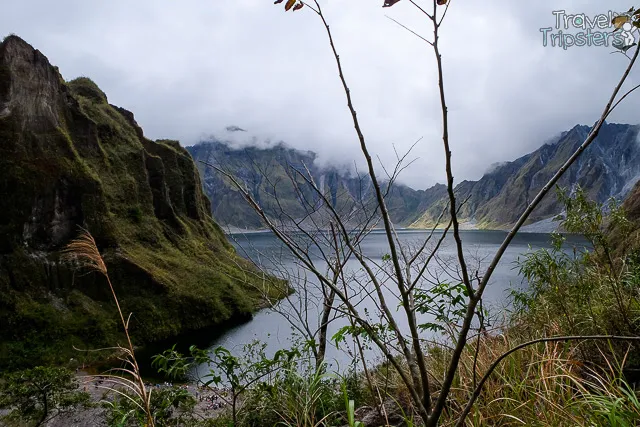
x: 608, y: 168
x: 268, y: 172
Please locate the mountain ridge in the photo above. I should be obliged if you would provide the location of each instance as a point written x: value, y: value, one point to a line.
x: 259, y: 169
x: 608, y: 168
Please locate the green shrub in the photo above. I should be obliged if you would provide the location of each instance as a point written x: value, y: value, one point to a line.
x: 85, y: 87
x: 40, y: 394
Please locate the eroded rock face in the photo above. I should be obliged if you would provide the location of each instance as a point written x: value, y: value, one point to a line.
x: 260, y: 168
x: 31, y: 86
x: 626, y: 241
x: 632, y: 204
x: 608, y: 168
x: 40, y: 200
x: 68, y: 159
x: 54, y: 217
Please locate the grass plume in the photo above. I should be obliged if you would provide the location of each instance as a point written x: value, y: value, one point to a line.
x: 84, y: 252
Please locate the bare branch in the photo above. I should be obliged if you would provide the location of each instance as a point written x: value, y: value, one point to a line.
x: 410, y: 30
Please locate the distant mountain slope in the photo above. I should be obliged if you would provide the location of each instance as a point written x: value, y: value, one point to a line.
x: 608, y: 168
x: 67, y: 159
x: 267, y: 173
x: 627, y: 240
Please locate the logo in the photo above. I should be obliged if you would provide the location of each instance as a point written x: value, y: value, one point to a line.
x: 629, y: 32
x: 617, y: 30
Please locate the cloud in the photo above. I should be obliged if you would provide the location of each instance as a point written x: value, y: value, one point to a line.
x: 190, y: 69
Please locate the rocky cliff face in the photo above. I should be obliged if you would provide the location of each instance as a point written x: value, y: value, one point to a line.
x: 67, y: 159
x: 608, y: 168
x: 632, y: 204
x: 626, y: 241
x: 268, y: 173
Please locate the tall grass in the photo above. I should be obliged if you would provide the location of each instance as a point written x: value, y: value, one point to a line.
x: 547, y: 384
x: 84, y: 251
x: 302, y: 400
x: 533, y: 386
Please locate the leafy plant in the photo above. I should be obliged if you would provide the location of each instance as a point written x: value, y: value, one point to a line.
x: 350, y: 409
x: 589, y: 290
x: 444, y: 302
x: 226, y: 370
x: 40, y: 394
x: 303, y: 399
x: 170, y: 406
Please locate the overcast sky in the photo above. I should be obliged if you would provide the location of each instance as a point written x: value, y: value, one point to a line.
x: 191, y: 68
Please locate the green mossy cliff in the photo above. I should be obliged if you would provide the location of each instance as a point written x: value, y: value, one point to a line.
x: 69, y: 159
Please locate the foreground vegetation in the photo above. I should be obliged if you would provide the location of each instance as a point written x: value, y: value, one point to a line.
x: 560, y: 382
x: 564, y: 355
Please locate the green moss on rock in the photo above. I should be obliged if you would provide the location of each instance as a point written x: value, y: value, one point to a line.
x: 85, y: 87
x: 86, y: 163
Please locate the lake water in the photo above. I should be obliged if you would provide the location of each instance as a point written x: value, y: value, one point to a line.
x: 272, y: 328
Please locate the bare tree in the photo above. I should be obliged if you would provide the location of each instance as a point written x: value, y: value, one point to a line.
x: 325, y: 244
